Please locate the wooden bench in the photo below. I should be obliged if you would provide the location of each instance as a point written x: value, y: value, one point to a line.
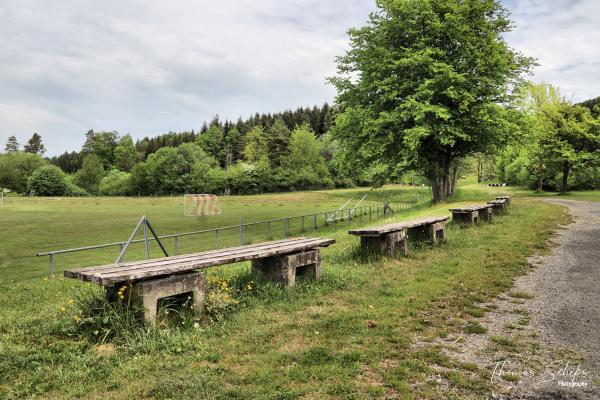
x: 471, y: 214
x: 499, y: 205
x: 506, y: 198
x: 150, y: 280
x: 390, y: 238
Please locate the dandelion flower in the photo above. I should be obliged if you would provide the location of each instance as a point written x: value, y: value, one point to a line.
x: 62, y: 309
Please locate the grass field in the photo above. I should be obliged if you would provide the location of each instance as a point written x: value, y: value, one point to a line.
x: 43, y: 224
x: 350, y: 335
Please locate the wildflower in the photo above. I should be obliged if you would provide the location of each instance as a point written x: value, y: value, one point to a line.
x: 62, y: 309
x: 196, y: 325
x: 77, y: 318
x: 96, y: 332
x: 46, y: 279
x: 71, y: 301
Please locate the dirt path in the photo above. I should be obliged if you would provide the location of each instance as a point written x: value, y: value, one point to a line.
x: 542, y: 339
x: 565, y: 310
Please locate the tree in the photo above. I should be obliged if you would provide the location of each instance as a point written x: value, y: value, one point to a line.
x: 125, y: 154
x: 12, y: 146
x: 278, y: 137
x: 171, y: 170
x: 116, y: 183
x: 35, y: 145
x: 427, y: 82
x: 48, y: 180
x: 212, y: 142
x: 91, y: 173
x: 16, y: 168
x: 101, y: 144
x: 305, y: 161
x: 576, y: 140
x: 68, y: 162
x: 256, y: 144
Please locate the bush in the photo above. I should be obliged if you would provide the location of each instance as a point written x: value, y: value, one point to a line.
x: 49, y: 180
x: 116, y: 183
x: 16, y: 169
x: 73, y: 189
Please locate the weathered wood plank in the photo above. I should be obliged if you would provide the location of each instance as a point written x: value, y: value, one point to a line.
x: 171, y: 259
x: 112, y: 273
x: 398, y: 226
x: 469, y: 208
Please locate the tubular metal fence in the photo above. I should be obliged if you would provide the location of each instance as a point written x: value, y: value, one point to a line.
x: 246, y: 233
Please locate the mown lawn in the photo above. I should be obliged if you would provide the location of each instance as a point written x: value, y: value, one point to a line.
x: 350, y: 335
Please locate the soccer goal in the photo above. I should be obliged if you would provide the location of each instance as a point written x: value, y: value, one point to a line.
x: 195, y: 205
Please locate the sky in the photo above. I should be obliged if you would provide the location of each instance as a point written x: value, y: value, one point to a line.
x: 148, y: 67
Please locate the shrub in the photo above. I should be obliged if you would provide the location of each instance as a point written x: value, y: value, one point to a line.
x: 116, y: 183
x: 49, y: 180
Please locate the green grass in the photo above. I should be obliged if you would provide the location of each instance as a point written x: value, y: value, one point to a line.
x: 311, y: 341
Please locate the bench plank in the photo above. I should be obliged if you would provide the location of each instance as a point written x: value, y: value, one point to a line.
x: 131, y: 271
x: 388, y: 228
x: 469, y: 208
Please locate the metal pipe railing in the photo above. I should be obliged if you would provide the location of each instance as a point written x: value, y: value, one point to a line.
x: 374, y: 211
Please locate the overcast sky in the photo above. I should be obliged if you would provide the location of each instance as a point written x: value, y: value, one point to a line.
x: 147, y: 68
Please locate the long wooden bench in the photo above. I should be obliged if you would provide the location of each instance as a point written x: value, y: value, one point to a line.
x: 390, y: 238
x: 471, y: 214
x: 150, y: 280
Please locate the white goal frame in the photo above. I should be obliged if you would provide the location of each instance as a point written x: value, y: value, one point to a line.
x: 196, y: 205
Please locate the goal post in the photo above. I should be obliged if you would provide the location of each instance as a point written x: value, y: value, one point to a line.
x: 196, y: 205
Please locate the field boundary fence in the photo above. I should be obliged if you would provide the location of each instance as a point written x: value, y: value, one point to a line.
x: 248, y: 232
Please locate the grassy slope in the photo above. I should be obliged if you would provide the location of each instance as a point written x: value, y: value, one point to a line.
x: 309, y: 342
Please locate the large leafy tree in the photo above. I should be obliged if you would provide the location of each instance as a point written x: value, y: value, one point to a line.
x: 125, y: 154
x: 425, y: 83
x: 91, y: 173
x: 101, y: 144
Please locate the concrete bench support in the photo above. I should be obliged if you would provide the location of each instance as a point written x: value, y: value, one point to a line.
x: 388, y: 244
x: 286, y: 268
x: 149, y: 292
x: 466, y: 218
x: 499, y: 206
x: 436, y: 232
x: 486, y: 214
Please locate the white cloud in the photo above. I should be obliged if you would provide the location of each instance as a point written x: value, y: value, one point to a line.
x: 147, y: 67
x: 564, y: 36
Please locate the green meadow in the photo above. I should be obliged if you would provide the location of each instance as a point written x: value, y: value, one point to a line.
x: 351, y: 335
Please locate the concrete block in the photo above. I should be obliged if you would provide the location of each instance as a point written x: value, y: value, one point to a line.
x: 285, y: 269
x: 389, y: 244
x: 149, y: 292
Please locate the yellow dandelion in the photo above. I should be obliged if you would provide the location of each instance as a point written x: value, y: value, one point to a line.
x: 62, y: 309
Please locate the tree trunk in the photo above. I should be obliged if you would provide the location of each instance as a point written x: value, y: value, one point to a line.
x: 565, y: 178
x: 541, y: 176
x: 440, y: 179
x: 479, y: 170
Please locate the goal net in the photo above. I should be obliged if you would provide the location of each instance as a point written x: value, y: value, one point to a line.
x: 200, y: 204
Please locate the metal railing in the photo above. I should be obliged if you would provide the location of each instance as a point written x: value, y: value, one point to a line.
x: 308, y: 222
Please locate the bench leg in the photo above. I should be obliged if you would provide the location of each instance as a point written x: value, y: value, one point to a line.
x: 436, y: 232
x: 465, y: 219
x: 389, y: 244
x: 286, y: 268
x: 148, y: 293
x: 486, y: 214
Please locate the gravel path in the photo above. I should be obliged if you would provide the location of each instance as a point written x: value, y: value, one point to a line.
x: 566, y: 308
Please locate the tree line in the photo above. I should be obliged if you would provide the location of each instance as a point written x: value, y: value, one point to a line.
x: 290, y: 150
